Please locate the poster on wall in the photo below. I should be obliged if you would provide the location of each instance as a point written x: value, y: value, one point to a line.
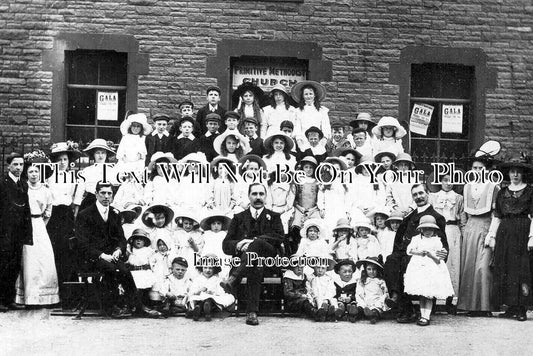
x: 266, y: 72
x: 420, y: 118
x: 452, y: 119
x: 107, y: 106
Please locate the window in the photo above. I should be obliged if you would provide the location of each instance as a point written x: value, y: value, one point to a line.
x: 446, y: 88
x: 93, y: 76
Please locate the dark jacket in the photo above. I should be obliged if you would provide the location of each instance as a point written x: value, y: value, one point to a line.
x: 15, y: 215
x: 183, y: 146
x: 205, y: 145
x: 96, y: 236
x: 244, y: 226
x: 155, y: 144
x: 257, y: 147
x: 203, y: 112
x: 348, y: 290
x: 294, y: 288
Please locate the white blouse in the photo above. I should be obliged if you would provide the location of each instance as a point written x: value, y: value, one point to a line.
x: 273, y: 117
x: 310, y: 116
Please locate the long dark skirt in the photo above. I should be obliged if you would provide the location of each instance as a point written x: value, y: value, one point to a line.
x: 61, y: 229
x: 512, y: 274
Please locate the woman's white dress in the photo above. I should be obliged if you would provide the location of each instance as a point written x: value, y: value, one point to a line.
x: 37, y: 283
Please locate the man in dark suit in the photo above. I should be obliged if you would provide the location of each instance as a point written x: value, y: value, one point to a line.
x: 102, y: 244
x: 246, y: 239
x: 213, y: 98
x: 15, y: 229
x: 397, y: 262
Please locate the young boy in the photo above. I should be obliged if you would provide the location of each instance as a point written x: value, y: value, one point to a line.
x: 256, y: 142
x: 294, y: 288
x: 287, y: 127
x: 159, y: 140
x: 176, y: 287
x: 213, y: 98
x: 345, y: 283
x: 322, y: 289
x: 231, y: 120
x: 205, y: 141
x: 186, y: 142
x: 314, y: 146
x: 337, y: 140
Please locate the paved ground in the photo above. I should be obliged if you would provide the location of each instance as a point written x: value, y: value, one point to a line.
x: 36, y: 332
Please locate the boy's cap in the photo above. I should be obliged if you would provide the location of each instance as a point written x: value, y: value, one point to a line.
x: 213, y: 117
x: 180, y: 261
x: 337, y: 125
x: 211, y: 88
x: 232, y: 114
x: 253, y: 120
x: 186, y: 102
x: 286, y: 123
x: 314, y: 129
x: 161, y: 117
x: 187, y: 118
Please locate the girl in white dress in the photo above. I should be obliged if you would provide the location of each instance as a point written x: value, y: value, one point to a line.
x: 309, y: 94
x: 388, y: 133
x: 278, y: 147
x: 215, y: 229
x: 221, y: 189
x: 249, y: 96
x: 332, y: 199
x: 37, y: 283
x: 162, y: 185
x: 278, y: 111
x: 426, y: 275
x: 131, y: 152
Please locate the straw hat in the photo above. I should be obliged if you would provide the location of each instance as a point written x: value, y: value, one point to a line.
x: 248, y: 86
x: 314, y: 261
x: 138, y: 118
x: 383, y: 210
x: 345, y: 262
x: 161, y: 157
x: 405, y: 158
x: 314, y: 129
x: 343, y: 223
x: 210, y: 260
x: 67, y: 148
x: 100, y: 143
x: 310, y: 223
x: 382, y: 154
x: 142, y: 234
x: 221, y: 159
x: 308, y: 159
x: 337, y: 160
x: 297, y: 88
x: 363, y: 163
x: 131, y: 212
x: 243, y: 141
x: 247, y: 159
x: 377, y: 261
x: 517, y: 162
x: 389, y: 121
x: 186, y: 215
x: 37, y: 156
x: 341, y: 152
x: 280, y: 134
x: 427, y: 221
x: 433, y: 188
x: 198, y: 157
x: 364, y: 117
x: 148, y: 215
x: 205, y: 224
x: 363, y: 223
x: 395, y: 215
x: 282, y: 89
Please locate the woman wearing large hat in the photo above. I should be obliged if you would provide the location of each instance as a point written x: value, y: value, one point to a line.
x: 61, y: 224
x: 279, y: 110
x: 309, y: 96
x: 476, y: 276
x: 248, y: 96
x: 511, y: 237
x: 99, y: 150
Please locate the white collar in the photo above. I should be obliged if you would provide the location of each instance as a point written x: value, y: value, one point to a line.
x: 254, y: 210
x: 421, y: 209
x: 155, y: 133
x: 291, y: 275
x: 12, y: 176
x: 101, y: 210
x: 213, y: 108
x: 191, y: 137
x: 209, y: 134
x: 253, y: 137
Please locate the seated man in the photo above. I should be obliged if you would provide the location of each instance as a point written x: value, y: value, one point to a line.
x: 246, y: 236
x: 103, y: 246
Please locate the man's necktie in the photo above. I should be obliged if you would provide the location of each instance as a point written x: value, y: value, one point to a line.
x: 105, y: 214
x: 256, y: 215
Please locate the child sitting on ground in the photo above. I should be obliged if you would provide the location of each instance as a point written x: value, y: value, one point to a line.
x: 161, y: 262
x: 206, y: 295
x: 294, y: 288
x: 371, y: 290
x: 175, y: 288
x: 321, y: 289
x: 345, y: 284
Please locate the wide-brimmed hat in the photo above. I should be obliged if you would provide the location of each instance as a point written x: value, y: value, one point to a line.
x: 308, y: 159
x: 161, y: 157
x: 315, y: 129
x: 383, y: 210
x: 382, y: 154
x: 405, y: 158
x: 186, y: 215
x: 69, y: 148
x: 198, y: 157
x: 516, y: 162
x: 427, y: 221
x: 205, y: 224
x: 364, y: 162
x: 345, y: 262
x: 209, y: 260
x: 310, y: 223
x: 395, y: 215
x: 221, y: 159
x: 364, y: 223
x: 100, y: 143
x: 337, y: 160
x: 34, y: 157
x: 270, y: 139
x: 282, y: 89
x: 364, y: 117
x: 344, y: 151
x: 296, y: 90
x: 142, y: 234
x: 322, y: 258
x: 247, y: 159
x: 343, y: 223
x: 248, y: 86
x: 243, y: 141
x: 138, y: 118
x: 149, y: 213
x: 131, y: 212
x: 389, y: 121
x: 377, y: 261
x: 433, y: 187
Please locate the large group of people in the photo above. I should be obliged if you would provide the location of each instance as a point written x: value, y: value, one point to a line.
x: 356, y: 247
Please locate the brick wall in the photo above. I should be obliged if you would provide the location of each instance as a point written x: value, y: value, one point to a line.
x: 360, y: 38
